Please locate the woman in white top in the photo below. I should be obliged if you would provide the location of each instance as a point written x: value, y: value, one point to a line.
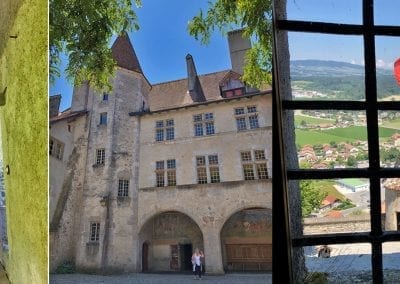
x: 196, y: 261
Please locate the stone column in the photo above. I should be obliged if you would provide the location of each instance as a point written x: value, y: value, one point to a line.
x: 212, y: 251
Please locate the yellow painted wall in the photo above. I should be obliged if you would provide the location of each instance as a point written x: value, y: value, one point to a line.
x: 23, y: 70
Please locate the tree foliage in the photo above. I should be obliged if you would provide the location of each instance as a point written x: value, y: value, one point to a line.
x: 311, y: 196
x: 82, y: 30
x: 254, y: 16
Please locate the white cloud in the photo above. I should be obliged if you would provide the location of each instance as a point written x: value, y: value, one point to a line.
x: 380, y: 63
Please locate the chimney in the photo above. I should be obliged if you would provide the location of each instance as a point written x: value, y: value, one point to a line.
x: 194, y: 87
x: 237, y: 48
x: 54, y: 105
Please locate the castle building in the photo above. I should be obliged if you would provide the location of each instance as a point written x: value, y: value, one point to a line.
x: 143, y: 175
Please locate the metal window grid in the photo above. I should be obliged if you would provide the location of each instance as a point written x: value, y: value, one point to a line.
x: 123, y: 187
x: 368, y: 30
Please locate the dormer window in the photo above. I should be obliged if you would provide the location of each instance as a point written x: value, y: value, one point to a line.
x: 231, y: 86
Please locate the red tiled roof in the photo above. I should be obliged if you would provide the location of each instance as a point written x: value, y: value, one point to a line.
x: 124, y: 54
x: 174, y: 94
x: 392, y: 184
x: 335, y: 214
x: 67, y: 114
x: 330, y: 199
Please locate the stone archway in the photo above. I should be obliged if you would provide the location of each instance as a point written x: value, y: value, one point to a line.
x: 246, y: 240
x: 167, y: 241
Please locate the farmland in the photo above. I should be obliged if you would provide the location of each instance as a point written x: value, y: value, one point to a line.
x: 348, y: 134
x: 311, y: 120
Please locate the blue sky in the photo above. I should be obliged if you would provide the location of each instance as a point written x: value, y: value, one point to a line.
x: 162, y: 42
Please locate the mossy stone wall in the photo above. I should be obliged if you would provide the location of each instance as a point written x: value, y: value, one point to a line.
x: 24, y: 124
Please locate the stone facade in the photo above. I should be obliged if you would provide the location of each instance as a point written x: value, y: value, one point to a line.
x: 392, y: 200
x: 109, y: 214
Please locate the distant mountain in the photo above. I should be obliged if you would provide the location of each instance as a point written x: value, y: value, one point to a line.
x: 340, y: 80
x: 305, y: 68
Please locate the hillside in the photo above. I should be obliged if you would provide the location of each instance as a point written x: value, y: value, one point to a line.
x: 339, y: 80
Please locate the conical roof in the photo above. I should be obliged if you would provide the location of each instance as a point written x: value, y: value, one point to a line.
x: 124, y: 54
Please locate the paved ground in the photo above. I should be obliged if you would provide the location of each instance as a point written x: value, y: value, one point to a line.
x: 231, y: 278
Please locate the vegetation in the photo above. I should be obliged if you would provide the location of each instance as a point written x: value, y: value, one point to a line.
x: 82, y: 30
x: 337, y: 135
x: 346, y: 87
x: 255, y: 18
x: 346, y: 204
x: 311, y: 196
x: 311, y: 120
x: 316, y: 278
x: 66, y: 268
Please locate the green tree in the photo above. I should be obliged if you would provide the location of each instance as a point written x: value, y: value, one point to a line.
x: 255, y: 17
x: 303, y: 123
x: 82, y: 30
x: 351, y: 161
x: 311, y: 196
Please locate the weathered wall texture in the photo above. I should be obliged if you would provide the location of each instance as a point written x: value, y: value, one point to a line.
x: 227, y: 142
x: 337, y: 225
x: 392, y: 198
x: 24, y: 121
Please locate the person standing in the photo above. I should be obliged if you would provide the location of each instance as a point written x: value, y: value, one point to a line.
x: 196, y: 260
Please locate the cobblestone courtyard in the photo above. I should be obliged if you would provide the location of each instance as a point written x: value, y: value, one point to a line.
x: 231, y: 278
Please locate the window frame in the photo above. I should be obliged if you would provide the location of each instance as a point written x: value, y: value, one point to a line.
x: 164, y: 130
x: 103, y: 118
x: 203, y: 124
x: 123, y: 188
x: 94, y: 232
x: 56, y: 148
x: 100, y: 156
x: 368, y: 30
x: 246, y: 118
x: 208, y: 170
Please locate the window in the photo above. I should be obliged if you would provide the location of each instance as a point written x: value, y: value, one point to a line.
x: 165, y: 129
x: 203, y: 123
x: 286, y: 105
x: 246, y: 117
x: 254, y: 168
x: 103, y: 118
x: 100, y: 156
x: 123, y: 188
x: 170, y: 172
x: 214, y: 169
x: 105, y: 97
x: 202, y: 163
x: 94, y: 232
x: 56, y: 148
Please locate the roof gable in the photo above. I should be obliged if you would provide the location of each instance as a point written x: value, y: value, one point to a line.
x: 124, y: 54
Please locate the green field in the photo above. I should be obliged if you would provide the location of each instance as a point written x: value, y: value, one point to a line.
x: 348, y: 134
x: 311, y: 120
x: 393, y: 124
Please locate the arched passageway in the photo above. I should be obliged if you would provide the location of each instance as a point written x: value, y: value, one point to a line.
x: 246, y: 240
x: 167, y: 241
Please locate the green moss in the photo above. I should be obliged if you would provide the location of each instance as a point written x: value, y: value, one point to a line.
x: 316, y: 278
x: 24, y: 134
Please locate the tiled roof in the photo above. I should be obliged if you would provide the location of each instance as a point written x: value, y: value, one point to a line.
x: 124, y: 54
x: 66, y: 115
x: 392, y: 184
x: 174, y: 94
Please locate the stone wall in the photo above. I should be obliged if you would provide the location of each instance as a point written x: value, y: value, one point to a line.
x: 328, y: 225
x: 24, y: 120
